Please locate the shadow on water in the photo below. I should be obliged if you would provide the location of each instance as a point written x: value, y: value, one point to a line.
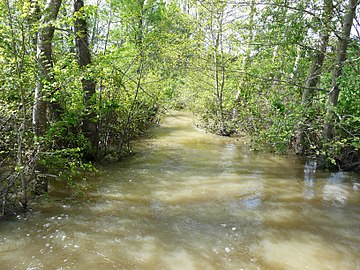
x: 192, y: 200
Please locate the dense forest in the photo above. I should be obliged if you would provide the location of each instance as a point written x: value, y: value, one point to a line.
x: 80, y: 79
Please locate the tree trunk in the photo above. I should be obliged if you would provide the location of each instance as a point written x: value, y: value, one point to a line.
x: 33, y: 18
x: 139, y: 42
x: 338, y: 68
x: 89, y: 126
x: 246, y: 60
x: 250, y: 38
x: 45, y: 64
x: 219, y: 63
x: 19, y: 61
x: 44, y: 76
x: 313, y: 77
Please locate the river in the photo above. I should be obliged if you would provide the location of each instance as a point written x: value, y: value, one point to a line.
x: 192, y: 200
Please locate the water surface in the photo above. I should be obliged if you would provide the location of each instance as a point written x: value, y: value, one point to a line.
x: 191, y: 200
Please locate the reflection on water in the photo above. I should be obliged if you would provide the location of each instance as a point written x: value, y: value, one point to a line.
x: 192, y: 200
x: 335, y: 190
x: 309, y: 174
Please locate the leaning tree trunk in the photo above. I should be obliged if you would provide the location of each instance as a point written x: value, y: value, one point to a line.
x: 313, y: 77
x: 89, y: 126
x: 338, y: 69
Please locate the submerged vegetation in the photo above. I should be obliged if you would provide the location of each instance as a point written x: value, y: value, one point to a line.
x: 80, y: 80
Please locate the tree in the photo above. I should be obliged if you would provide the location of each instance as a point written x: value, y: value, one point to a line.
x: 313, y: 77
x: 338, y: 69
x: 45, y: 78
x: 19, y: 54
x: 212, y: 54
x: 318, y: 58
x: 217, y: 32
x: 89, y: 126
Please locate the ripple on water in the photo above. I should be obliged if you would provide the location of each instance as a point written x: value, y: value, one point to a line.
x: 302, y: 250
x: 9, y: 244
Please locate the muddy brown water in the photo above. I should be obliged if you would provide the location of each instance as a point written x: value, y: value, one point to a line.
x: 191, y: 200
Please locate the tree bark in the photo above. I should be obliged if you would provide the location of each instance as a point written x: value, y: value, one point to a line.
x: 338, y: 69
x: 247, y: 60
x: 33, y: 18
x: 44, y: 76
x: 89, y: 126
x: 45, y: 64
x: 313, y: 77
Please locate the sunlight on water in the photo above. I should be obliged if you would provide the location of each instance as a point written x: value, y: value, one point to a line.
x: 300, y: 250
x: 192, y: 200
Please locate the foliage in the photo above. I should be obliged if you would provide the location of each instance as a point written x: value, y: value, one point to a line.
x: 240, y: 66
